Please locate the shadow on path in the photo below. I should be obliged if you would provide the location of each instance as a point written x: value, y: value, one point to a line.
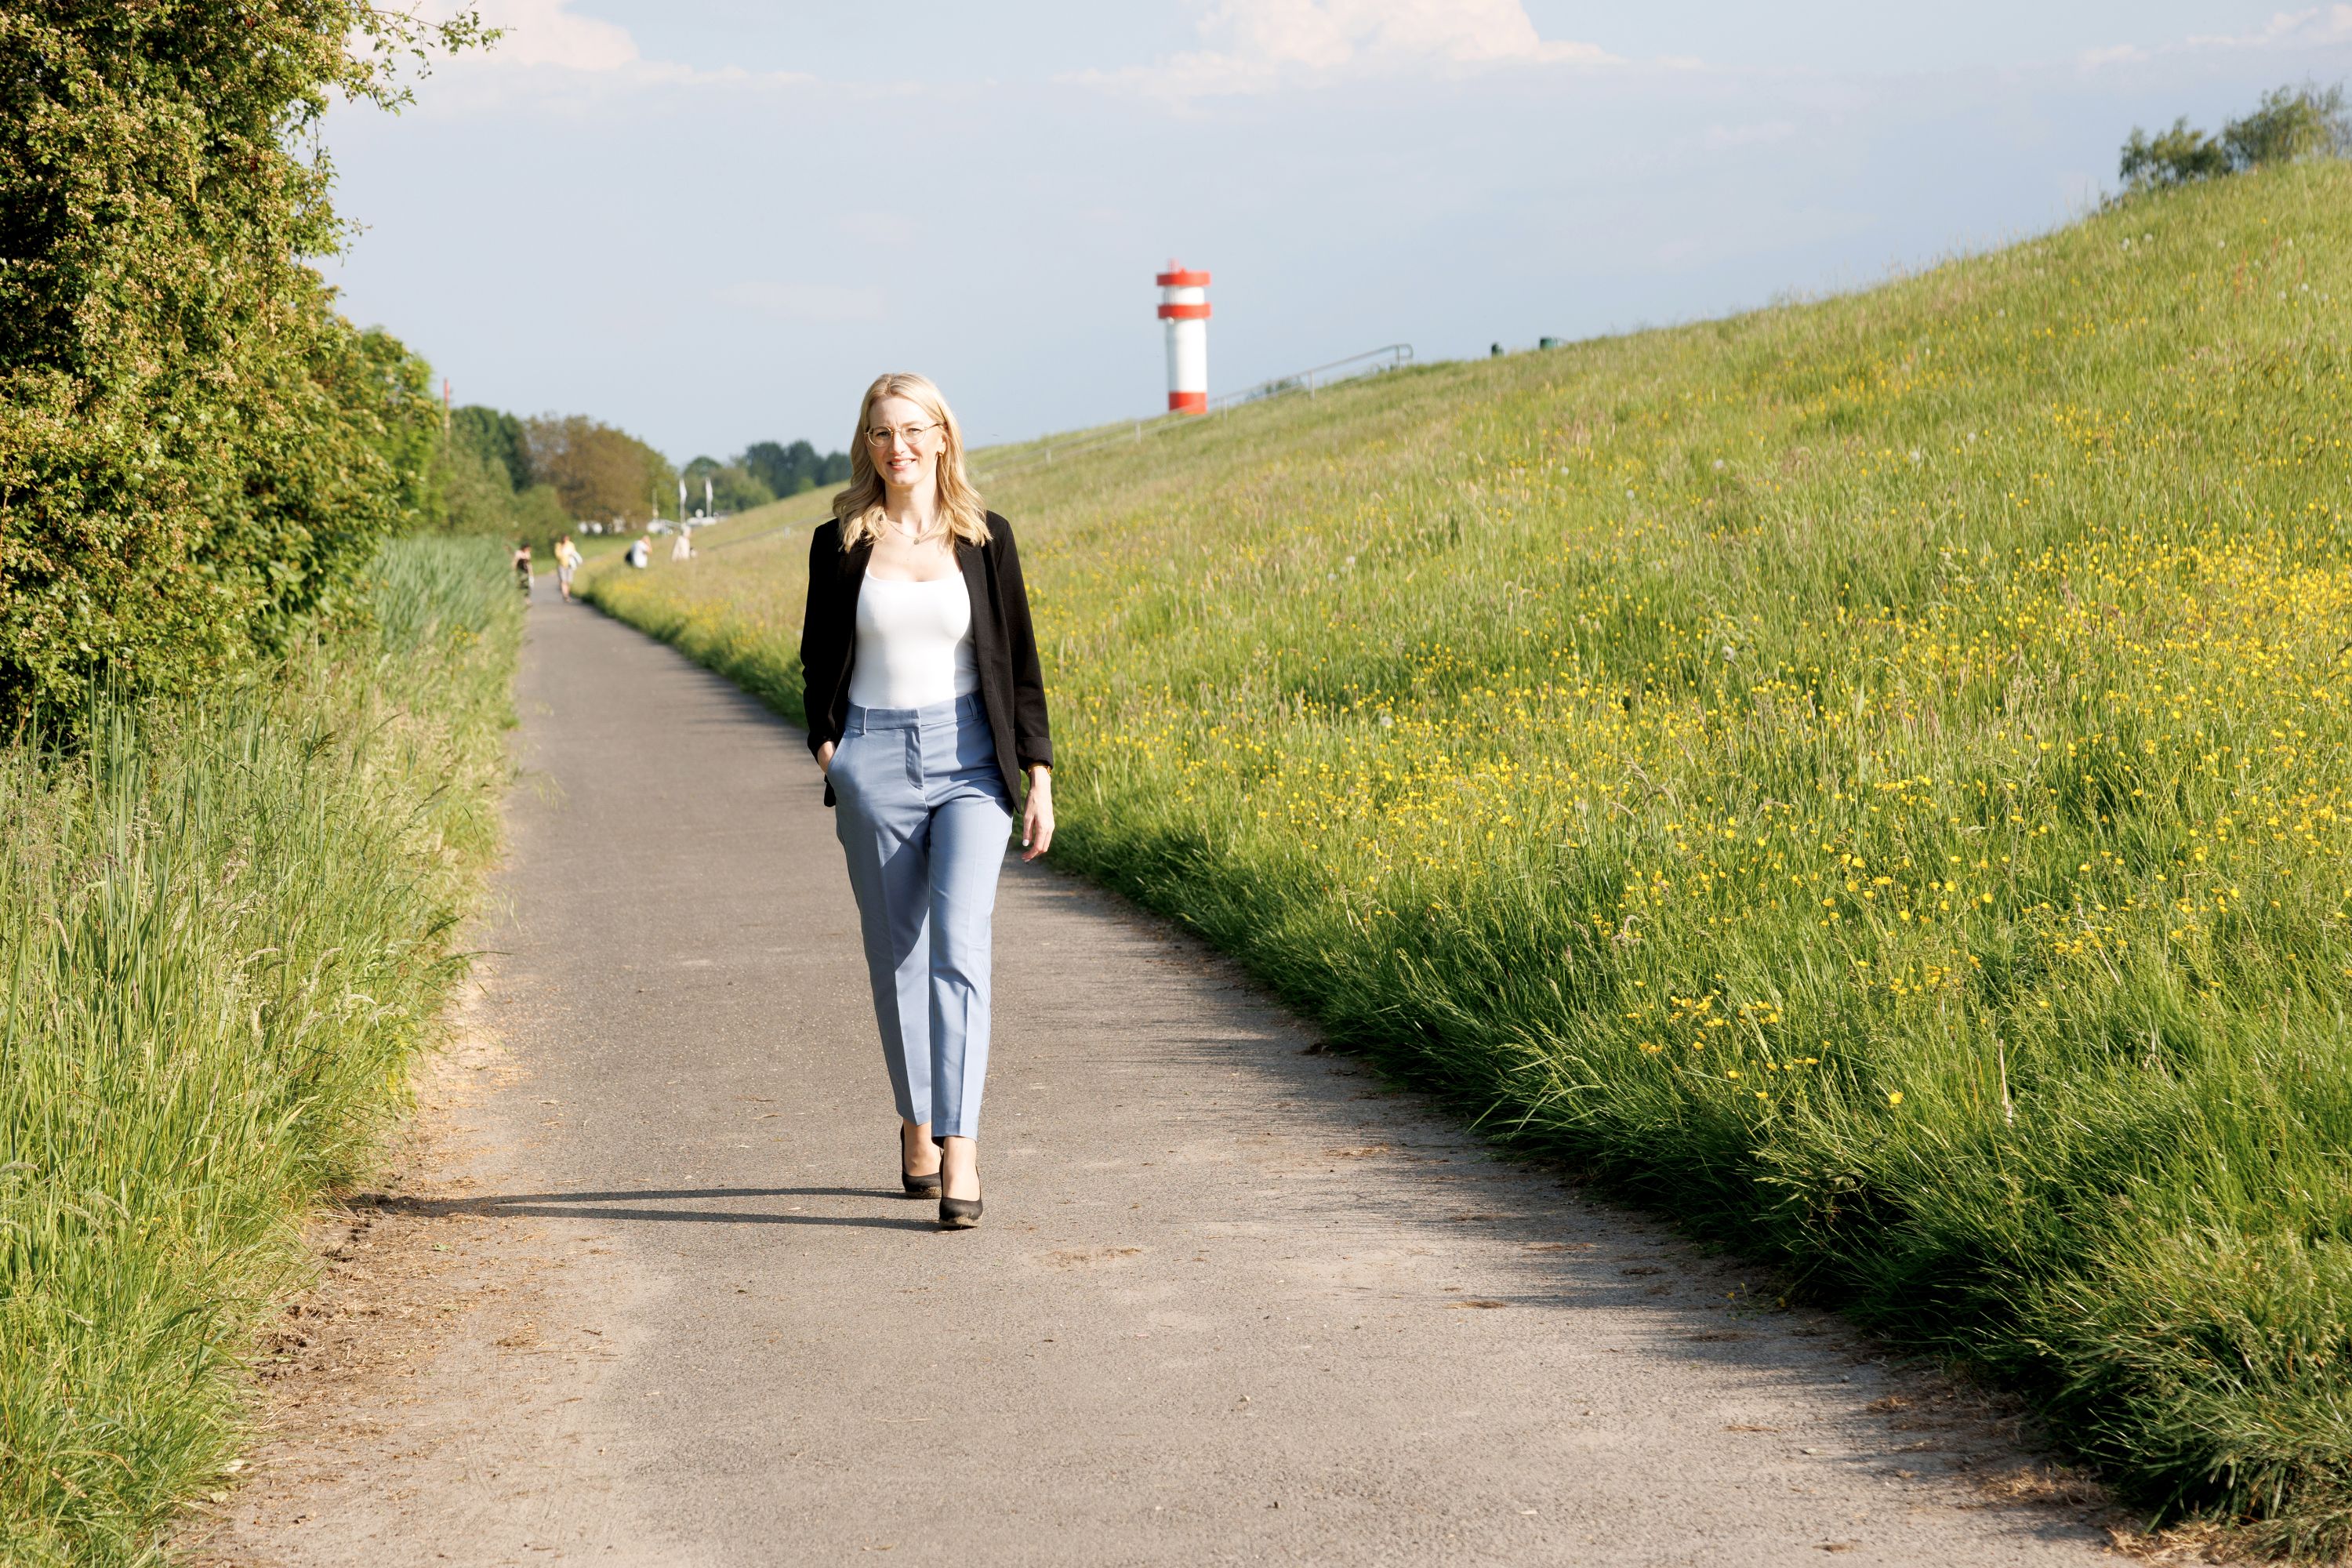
x: 590, y: 1206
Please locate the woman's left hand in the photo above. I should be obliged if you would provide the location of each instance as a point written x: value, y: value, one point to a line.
x: 1037, y: 816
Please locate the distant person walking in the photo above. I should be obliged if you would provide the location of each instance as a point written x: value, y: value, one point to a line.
x: 567, y: 561
x: 925, y: 706
x: 522, y: 567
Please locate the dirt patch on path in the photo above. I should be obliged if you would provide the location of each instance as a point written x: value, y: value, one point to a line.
x: 424, y: 1341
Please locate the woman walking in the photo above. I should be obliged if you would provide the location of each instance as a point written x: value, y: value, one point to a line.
x: 567, y: 561
x: 925, y: 705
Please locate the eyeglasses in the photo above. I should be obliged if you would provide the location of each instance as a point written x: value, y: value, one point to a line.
x: 879, y: 436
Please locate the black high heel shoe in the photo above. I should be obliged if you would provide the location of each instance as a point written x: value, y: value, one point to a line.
x: 959, y: 1214
x: 926, y: 1186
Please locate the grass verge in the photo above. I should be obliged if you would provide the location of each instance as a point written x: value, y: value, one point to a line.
x: 1872, y: 778
x: 227, y: 928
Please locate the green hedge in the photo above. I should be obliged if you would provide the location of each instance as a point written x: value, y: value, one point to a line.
x: 197, y: 452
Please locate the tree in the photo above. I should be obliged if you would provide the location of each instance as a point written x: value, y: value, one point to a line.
x: 785, y: 470
x: 788, y: 470
x: 482, y: 481
x: 409, y: 436
x: 2172, y: 157
x: 197, y: 452
x: 732, y: 488
x: 596, y: 470
x: 538, y: 517
x: 2293, y: 123
x: 476, y: 495
x: 495, y: 435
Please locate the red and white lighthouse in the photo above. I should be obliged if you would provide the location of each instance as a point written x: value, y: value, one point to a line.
x: 1184, y: 306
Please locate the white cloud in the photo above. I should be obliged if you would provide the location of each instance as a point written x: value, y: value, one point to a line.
x: 803, y: 301
x: 541, y: 32
x: 549, y: 61
x: 1328, y: 34
x: 2316, y: 26
x: 2319, y: 25
x: 546, y: 33
x: 1259, y: 46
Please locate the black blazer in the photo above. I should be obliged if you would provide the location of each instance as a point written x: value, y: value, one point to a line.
x: 1010, y: 685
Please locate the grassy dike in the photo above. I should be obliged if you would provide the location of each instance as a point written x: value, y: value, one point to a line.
x: 1871, y: 779
x: 226, y: 931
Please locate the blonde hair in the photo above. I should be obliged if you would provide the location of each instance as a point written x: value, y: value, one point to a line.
x: 859, y: 507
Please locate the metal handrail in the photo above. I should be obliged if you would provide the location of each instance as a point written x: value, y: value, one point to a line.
x: 1397, y: 355
x: 1392, y: 357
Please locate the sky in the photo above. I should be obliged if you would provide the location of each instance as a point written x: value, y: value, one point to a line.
x: 712, y: 222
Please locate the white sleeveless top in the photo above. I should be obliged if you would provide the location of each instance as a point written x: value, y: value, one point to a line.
x: 914, y: 643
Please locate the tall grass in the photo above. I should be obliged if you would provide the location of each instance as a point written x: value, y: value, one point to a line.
x: 1872, y: 778
x: 224, y: 932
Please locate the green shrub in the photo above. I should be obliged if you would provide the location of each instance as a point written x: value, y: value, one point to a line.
x: 2293, y: 123
x: 2172, y: 157
x: 196, y: 453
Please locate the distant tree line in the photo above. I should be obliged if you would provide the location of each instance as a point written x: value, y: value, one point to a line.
x: 484, y: 483
x: 535, y: 479
x: 762, y: 472
x: 2291, y: 122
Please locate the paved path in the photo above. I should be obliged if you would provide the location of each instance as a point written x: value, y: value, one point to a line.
x: 1232, y: 1302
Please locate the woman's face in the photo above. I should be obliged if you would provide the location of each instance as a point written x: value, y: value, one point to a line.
x: 904, y: 441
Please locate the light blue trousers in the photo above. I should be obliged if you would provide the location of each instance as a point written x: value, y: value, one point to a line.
x: 920, y: 808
